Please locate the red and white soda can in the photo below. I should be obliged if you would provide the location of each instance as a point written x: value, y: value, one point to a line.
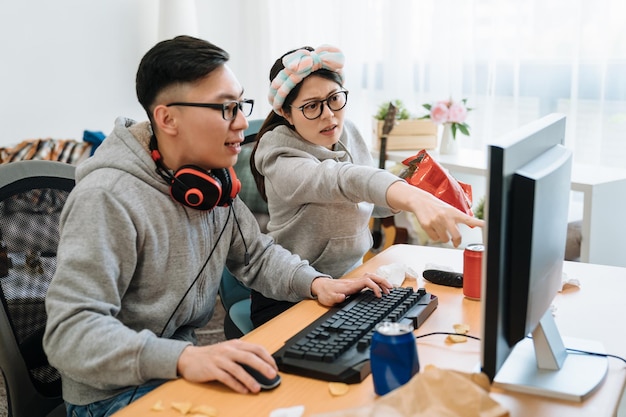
x: 472, y: 270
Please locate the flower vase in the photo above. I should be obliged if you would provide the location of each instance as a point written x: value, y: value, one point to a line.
x: 448, y: 144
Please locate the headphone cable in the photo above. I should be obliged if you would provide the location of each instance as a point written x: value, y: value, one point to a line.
x: 246, y: 256
x: 196, y: 278
x: 132, y: 397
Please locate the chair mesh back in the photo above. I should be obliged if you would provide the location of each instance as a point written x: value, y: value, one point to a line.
x: 29, y: 232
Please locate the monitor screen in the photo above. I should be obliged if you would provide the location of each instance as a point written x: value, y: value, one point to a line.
x: 526, y: 209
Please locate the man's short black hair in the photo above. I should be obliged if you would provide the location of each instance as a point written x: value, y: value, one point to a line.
x: 183, y: 59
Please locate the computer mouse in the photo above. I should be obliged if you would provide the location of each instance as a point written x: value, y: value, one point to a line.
x: 265, y: 382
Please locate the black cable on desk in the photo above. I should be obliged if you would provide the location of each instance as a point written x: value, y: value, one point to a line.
x: 569, y: 350
x: 447, y: 334
x: 604, y: 355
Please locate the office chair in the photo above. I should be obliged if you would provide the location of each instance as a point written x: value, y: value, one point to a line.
x: 32, y: 194
x: 235, y: 297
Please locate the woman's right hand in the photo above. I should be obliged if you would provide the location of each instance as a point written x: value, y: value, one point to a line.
x: 438, y: 219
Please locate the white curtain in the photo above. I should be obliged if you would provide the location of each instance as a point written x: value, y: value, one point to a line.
x: 177, y: 17
x: 514, y: 60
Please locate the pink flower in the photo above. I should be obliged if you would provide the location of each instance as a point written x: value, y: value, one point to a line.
x: 439, y: 113
x: 450, y: 112
x: 457, y: 113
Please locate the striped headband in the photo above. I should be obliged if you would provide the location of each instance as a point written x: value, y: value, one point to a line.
x: 300, y: 64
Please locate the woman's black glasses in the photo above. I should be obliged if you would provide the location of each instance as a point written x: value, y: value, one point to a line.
x: 314, y: 109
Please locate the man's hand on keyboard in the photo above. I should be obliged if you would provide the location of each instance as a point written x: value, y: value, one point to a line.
x: 332, y: 291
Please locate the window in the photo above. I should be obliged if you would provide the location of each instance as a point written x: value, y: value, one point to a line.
x: 515, y: 60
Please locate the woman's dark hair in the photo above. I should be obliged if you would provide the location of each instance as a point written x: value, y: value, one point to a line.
x: 183, y: 59
x: 273, y: 119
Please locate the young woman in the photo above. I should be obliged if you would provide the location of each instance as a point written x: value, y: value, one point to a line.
x: 317, y: 175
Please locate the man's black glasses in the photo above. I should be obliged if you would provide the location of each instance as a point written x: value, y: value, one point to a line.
x: 229, y: 109
x: 314, y: 109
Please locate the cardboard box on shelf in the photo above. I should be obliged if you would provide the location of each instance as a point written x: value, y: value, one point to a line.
x: 407, y: 135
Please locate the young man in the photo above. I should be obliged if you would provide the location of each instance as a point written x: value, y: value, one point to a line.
x: 146, y: 232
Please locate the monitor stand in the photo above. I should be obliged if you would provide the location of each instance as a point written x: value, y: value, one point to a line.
x: 542, y: 366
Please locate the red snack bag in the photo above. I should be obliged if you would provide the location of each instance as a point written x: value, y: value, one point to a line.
x: 426, y: 173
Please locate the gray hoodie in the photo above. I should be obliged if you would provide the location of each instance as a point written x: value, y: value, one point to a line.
x: 320, y: 201
x: 129, y: 254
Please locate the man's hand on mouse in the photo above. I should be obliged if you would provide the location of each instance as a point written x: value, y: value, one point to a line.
x: 332, y: 291
x: 220, y: 362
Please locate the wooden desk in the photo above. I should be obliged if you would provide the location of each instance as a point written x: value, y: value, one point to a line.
x: 591, y: 312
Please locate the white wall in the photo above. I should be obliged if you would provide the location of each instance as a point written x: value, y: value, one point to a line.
x: 69, y: 65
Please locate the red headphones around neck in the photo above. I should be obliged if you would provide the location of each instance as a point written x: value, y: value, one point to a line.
x: 195, y: 187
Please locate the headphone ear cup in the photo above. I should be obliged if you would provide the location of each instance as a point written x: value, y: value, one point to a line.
x: 231, y: 186
x: 236, y: 183
x: 196, y: 188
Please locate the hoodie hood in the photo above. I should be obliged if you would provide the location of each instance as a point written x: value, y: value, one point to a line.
x: 125, y: 149
x: 283, y: 136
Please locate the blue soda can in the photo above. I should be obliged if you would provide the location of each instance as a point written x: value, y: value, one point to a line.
x: 393, y: 356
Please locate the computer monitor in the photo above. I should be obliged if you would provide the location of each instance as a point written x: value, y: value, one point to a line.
x: 526, y: 209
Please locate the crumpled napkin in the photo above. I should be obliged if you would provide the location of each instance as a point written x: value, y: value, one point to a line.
x: 295, y: 411
x: 434, y: 392
x: 397, y: 272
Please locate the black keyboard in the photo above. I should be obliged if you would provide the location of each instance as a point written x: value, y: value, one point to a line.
x: 335, y: 347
